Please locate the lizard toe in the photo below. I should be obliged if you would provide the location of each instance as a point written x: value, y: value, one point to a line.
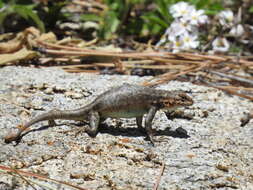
x: 12, y: 136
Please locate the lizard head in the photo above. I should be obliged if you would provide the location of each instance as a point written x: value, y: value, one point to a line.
x: 176, y: 99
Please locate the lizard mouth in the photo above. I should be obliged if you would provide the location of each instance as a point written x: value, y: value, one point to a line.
x: 170, y: 108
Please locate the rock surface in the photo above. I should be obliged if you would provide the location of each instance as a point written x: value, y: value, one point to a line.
x: 216, y: 153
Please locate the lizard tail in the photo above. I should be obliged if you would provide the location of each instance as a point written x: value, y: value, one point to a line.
x: 78, y: 114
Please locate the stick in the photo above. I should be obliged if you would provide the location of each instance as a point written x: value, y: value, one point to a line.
x: 159, y: 177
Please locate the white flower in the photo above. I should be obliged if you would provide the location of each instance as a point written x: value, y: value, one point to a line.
x: 179, y: 36
x: 220, y: 45
x: 226, y: 18
x: 177, y: 45
x: 189, y: 41
x: 161, y: 41
x: 237, y: 31
x: 172, y: 33
x: 197, y: 17
x: 177, y: 28
x: 185, y: 24
x: 185, y: 42
x: 181, y: 9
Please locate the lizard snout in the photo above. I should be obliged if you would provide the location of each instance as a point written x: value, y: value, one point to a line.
x: 185, y: 100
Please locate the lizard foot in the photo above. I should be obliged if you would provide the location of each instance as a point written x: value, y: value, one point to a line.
x: 81, y: 130
x: 152, y: 141
x: 51, y: 123
x: 150, y: 136
x: 12, y: 135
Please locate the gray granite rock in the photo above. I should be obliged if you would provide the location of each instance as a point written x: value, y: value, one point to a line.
x: 217, y: 153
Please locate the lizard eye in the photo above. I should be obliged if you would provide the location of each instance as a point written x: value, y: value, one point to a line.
x: 166, y: 103
x: 183, y: 97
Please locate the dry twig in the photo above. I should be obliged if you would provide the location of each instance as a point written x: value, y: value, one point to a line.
x: 159, y: 177
x: 29, y: 174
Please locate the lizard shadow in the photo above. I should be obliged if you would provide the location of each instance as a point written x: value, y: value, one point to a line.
x: 136, y: 132
x: 33, y: 130
x: 46, y: 127
x: 117, y: 131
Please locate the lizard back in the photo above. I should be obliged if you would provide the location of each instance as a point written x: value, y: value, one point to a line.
x: 132, y: 100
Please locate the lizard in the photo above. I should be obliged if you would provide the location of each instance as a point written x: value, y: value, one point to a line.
x: 125, y: 101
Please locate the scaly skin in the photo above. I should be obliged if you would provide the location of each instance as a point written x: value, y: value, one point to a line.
x: 125, y: 101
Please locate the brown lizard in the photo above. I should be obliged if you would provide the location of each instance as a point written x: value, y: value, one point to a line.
x: 125, y: 101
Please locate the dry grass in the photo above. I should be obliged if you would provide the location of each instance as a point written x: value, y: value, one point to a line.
x: 203, y: 69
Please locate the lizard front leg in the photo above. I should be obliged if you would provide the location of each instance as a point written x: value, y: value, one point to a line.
x: 139, y: 123
x: 94, y: 122
x: 51, y: 122
x: 148, y: 123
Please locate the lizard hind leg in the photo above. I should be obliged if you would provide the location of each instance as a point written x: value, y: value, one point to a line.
x: 148, y: 123
x: 139, y: 123
x: 94, y: 122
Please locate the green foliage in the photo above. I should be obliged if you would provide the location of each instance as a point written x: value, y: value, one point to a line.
x: 211, y: 7
x: 91, y: 17
x: 110, y: 25
x: 24, y: 10
x: 115, y: 17
x: 141, y: 18
x: 235, y: 48
x: 118, y: 19
x: 251, y: 9
x: 159, y: 19
x: 51, y: 13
